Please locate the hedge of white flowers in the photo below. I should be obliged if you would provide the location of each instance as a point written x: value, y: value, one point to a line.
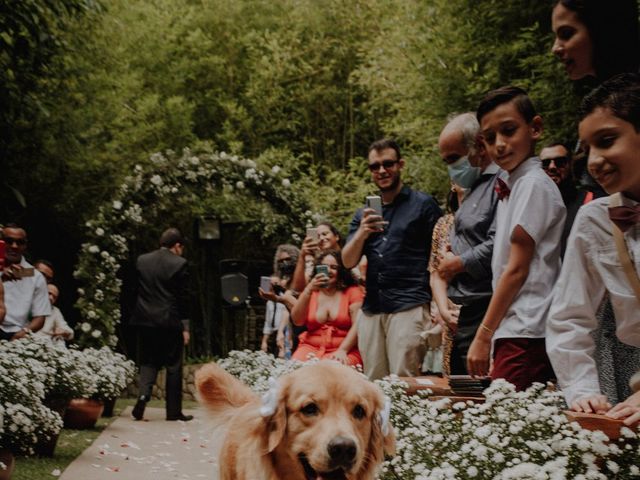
x: 513, y: 435
x: 167, y: 184
x: 35, y: 373
x: 24, y: 383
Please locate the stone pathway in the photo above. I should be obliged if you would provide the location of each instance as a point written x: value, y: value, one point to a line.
x: 152, y: 449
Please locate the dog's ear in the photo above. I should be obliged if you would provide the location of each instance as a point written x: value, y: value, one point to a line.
x: 383, y: 438
x: 276, y: 423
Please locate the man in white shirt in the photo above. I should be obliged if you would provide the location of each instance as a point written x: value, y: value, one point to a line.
x: 25, y: 289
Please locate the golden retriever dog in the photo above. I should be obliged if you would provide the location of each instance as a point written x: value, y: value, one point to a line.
x: 324, y: 421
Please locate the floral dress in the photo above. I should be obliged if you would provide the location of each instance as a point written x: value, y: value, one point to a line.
x: 438, y: 344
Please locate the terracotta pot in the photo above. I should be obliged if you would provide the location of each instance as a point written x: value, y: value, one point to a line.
x: 9, y: 461
x: 109, y: 404
x: 83, y: 413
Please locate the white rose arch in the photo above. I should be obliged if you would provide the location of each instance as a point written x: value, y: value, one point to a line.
x: 191, y: 184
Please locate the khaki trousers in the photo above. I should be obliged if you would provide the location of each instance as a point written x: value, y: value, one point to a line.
x: 390, y: 343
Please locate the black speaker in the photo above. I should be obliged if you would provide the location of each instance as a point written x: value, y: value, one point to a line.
x: 234, y: 283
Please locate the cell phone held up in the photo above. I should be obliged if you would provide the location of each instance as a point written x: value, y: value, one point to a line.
x: 265, y: 284
x: 312, y: 233
x: 374, y: 202
x: 323, y: 270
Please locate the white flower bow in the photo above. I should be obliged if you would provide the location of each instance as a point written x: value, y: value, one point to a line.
x: 270, y: 399
x: 384, y: 416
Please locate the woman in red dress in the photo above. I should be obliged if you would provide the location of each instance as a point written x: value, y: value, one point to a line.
x: 328, y: 308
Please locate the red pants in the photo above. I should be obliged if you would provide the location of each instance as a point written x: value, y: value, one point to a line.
x: 521, y: 361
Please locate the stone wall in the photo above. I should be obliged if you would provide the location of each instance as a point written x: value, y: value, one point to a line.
x: 188, y: 387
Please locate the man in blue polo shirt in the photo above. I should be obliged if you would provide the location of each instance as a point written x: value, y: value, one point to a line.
x: 397, y: 246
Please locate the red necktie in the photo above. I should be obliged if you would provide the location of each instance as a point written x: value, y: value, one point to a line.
x: 502, y: 189
x: 625, y: 217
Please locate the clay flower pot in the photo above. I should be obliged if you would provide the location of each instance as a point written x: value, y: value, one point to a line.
x: 9, y: 461
x: 83, y: 413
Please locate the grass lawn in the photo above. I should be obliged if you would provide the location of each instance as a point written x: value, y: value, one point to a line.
x: 72, y: 443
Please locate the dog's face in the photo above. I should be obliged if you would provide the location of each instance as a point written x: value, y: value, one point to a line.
x: 328, y: 418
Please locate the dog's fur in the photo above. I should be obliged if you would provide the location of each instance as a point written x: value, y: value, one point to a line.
x: 317, y: 406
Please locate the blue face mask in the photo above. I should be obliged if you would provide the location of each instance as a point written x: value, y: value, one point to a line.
x: 462, y: 173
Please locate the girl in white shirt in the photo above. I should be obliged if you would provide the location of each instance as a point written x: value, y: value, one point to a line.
x: 610, y: 130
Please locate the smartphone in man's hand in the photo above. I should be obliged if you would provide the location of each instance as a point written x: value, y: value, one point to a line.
x: 374, y: 202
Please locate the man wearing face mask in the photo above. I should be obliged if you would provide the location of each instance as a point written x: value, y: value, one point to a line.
x: 467, y: 267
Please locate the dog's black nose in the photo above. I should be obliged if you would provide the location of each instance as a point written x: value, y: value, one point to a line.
x: 342, y: 451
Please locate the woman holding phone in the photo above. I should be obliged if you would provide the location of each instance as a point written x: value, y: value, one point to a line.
x: 324, y: 236
x: 327, y: 307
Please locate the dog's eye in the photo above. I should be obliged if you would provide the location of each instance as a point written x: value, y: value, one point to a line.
x: 310, y: 409
x: 359, y: 412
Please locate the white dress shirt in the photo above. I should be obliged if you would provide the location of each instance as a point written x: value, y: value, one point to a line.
x: 24, y: 299
x: 55, y: 323
x: 591, y: 268
x: 535, y: 204
x: 273, y: 315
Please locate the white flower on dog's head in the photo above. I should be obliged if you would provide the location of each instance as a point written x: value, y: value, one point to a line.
x: 384, y: 416
x: 270, y: 399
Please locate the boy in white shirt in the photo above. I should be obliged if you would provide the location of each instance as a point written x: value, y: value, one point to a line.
x: 610, y: 130
x: 526, y: 254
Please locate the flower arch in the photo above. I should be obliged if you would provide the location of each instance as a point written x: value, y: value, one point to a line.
x: 201, y: 182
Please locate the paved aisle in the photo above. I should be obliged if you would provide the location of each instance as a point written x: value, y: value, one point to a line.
x: 152, y: 449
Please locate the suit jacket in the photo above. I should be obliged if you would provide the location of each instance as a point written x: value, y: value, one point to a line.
x: 163, y: 295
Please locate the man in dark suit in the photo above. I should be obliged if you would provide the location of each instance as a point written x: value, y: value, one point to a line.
x: 161, y: 316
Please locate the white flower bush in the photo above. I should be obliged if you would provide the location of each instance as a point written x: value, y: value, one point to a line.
x: 34, y: 373
x: 513, y: 435
x: 172, y: 182
x: 69, y: 375
x: 112, y: 371
x: 24, y: 419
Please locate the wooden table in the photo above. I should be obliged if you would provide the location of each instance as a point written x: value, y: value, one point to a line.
x: 440, y: 388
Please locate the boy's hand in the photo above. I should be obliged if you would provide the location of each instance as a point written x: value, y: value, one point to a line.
x: 478, y: 357
x: 592, y: 404
x: 629, y: 410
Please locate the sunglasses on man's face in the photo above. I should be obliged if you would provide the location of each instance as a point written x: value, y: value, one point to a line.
x: 15, y: 241
x: 386, y: 164
x: 559, y: 162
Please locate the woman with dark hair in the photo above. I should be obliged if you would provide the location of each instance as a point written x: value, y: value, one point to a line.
x: 328, y: 238
x: 327, y: 307
x: 594, y: 38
